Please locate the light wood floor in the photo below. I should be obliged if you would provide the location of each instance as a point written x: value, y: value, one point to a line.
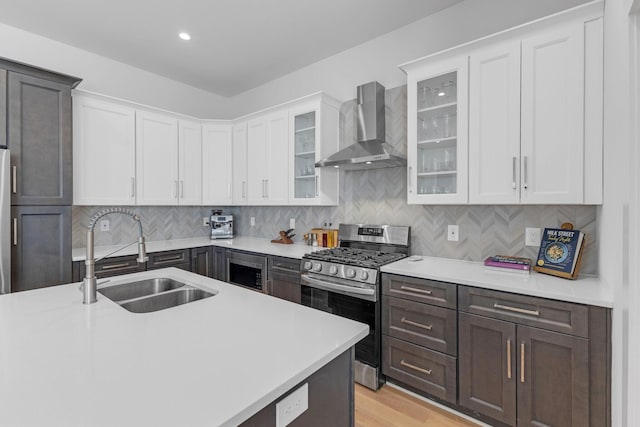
x: 390, y: 407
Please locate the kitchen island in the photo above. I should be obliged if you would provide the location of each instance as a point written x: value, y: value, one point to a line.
x: 218, y: 361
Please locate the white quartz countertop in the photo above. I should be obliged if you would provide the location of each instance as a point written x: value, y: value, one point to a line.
x: 215, y: 361
x: 584, y: 290
x: 251, y: 244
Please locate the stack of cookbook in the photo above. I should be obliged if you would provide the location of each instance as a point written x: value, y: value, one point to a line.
x: 506, y: 263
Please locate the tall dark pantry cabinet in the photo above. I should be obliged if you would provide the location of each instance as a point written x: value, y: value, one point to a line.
x: 35, y: 110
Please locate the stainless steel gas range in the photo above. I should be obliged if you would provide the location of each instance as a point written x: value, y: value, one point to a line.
x: 346, y: 281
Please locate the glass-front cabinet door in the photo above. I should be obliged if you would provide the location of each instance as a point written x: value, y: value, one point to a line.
x: 313, y: 127
x: 437, y: 132
x: 305, y: 179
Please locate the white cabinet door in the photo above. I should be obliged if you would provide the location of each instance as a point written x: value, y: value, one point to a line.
x: 494, y: 125
x: 437, y: 97
x: 553, y: 116
x: 239, y: 167
x: 190, y: 163
x: 217, y: 164
x: 277, y: 159
x: 104, y: 152
x: 156, y: 159
x: 256, y: 161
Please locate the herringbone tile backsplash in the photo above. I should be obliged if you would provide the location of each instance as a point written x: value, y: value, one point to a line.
x: 374, y: 197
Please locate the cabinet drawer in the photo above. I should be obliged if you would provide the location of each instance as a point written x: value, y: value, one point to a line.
x: 542, y: 313
x: 284, y: 264
x: 422, y: 324
x: 426, y: 370
x: 178, y: 258
x: 114, y: 267
x: 432, y: 292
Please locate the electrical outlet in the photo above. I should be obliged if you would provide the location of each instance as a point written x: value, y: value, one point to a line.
x: 104, y: 225
x: 253, y: 221
x: 205, y: 221
x: 532, y: 236
x: 292, y: 406
x: 292, y: 223
x: 453, y: 233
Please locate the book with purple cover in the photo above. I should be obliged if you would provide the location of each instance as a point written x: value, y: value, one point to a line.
x: 490, y: 262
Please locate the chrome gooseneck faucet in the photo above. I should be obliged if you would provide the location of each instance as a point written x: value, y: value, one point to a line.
x: 89, y: 286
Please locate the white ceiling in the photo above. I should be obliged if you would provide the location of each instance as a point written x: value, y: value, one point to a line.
x: 236, y: 45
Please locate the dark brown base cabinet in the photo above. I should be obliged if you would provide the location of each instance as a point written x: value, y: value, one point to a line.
x: 40, y: 246
x: 521, y: 361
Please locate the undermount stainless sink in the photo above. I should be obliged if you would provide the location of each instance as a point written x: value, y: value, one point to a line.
x: 146, y: 296
x: 139, y: 289
x: 166, y: 300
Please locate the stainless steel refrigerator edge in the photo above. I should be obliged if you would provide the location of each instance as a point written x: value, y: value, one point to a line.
x: 5, y: 227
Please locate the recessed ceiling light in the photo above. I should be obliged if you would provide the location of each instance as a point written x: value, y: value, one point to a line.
x: 336, y: 166
x: 184, y: 36
x: 368, y: 163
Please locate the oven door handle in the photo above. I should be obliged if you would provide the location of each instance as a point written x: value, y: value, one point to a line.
x: 327, y: 286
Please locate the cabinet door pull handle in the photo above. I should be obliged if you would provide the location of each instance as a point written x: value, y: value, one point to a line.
x: 415, y: 368
x: 420, y: 291
x: 181, y: 189
x: 263, y: 188
x: 513, y: 174
x: 508, y: 359
x: 409, y: 180
x: 522, y: 362
x: 526, y: 184
x: 317, y: 193
x: 517, y: 310
x: 416, y: 324
x: 15, y: 231
x: 266, y: 188
x: 14, y: 171
x: 176, y: 194
x: 133, y: 187
x: 229, y: 191
x: 244, y: 184
x: 112, y: 266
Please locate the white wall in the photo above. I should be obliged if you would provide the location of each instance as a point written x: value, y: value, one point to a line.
x: 619, y: 223
x: 378, y: 59
x: 110, y: 77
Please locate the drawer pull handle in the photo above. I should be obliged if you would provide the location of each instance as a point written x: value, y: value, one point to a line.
x: 509, y: 359
x: 522, y: 362
x: 517, y: 310
x: 170, y: 258
x: 112, y: 266
x: 416, y: 324
x: 14, y: 169
x: 420, y: 291
x: 416, y: 368
x: 15, y: 231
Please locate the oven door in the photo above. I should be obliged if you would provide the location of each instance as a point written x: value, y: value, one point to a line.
x: 331, y: 297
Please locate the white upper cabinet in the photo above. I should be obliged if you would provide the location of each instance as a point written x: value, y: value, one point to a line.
x: 437, y: 98
x: 535, y: 116
x: 217, y: 158
x: 239, y: 164
x: 494, y: 125
x: 156, y: 159
x: 267, y: 157
x: 190, y: 159
x: 553, y: 116
x: 313, y: 135
x: 104, y: 152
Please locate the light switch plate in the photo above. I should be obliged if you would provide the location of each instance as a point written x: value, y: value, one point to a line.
x: 292, y: 223
x: 205, y: 221
x: 532, y: 236
x: 292, y: 406
x: 253, y: 221
x: 104, y: 225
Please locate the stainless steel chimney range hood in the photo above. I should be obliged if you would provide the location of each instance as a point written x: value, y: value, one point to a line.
x: 371, y: 151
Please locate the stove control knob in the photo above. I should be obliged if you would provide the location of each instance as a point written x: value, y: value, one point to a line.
x: 307, y: 265
x: 364, y: 275
x: 351, y: 273
x: 333, y: 270
x: 317, y: 266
